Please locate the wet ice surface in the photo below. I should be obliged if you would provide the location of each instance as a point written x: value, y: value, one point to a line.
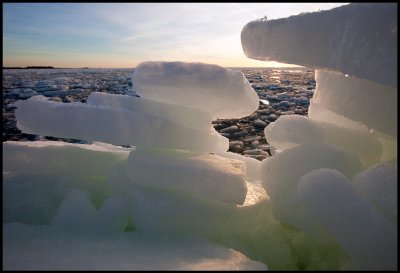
x: 281, y: 92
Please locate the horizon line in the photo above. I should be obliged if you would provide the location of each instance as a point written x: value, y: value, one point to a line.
x: 85, y: 67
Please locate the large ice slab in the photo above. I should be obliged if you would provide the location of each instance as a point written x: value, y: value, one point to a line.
x: 379, y: 185
x: 358, y: 39
x: 245, y: 228
x: 252, y: 164
x: 38, y: 115
x: 221, y: 92
x: 181, y: 114
x: 209, y: 175
x: 77, y: 213
x: 35, y: 198
x: 159, y: 209
x: 280, y: 175
x: 352, y: 126
x: 318, y: 112
x: 78, y: 159
x: 369, y: 238
x: 362, y: 101
x: 294, y: 130
x: 55, y: 249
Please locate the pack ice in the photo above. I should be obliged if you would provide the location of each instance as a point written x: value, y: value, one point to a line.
x: 171, y: 183
x: 334, y: 174
x: 178, y: 200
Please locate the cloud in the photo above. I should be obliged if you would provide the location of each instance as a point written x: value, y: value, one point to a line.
x: 185, y: 31
x: 245, y: 10
x: 131, y: 38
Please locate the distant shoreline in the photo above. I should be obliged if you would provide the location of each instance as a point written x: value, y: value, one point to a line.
x: 51, y: 67
x: 33, y: 67
x: 30, y: 67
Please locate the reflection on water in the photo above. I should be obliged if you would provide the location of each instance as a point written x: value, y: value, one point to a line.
x: 255, y: 193
x: 266, y: 102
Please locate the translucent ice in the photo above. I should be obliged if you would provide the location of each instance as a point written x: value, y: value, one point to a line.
x: 358, y: 39
x: 95, y: 207
x: 37, y: 176
x: 221, y: 92
x: 293, y: 130
x: 379, y: 185
x: 363, y: 101
x: 252, y: 164
x: 190, y: 117
x: 118, y: 126
x: 350, y: 218
x: 281, y: 184
x: 75, y: 212
x: 209, y: 175
x: 354, y: 109
x: 79, y: 159
x: 318, y: 112
x: 55, y: 249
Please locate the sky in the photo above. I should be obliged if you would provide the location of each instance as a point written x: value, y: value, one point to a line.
x: 121, y: 35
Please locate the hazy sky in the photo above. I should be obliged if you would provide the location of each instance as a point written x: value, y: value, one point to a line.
x: 125, y: 34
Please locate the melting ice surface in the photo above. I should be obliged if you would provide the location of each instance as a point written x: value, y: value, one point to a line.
x: 326, y: 199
